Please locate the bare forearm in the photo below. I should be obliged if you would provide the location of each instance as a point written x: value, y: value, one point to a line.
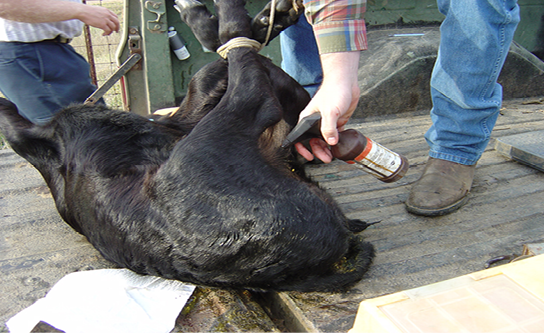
x: 38, y: 11
x: 336, y: 100
x: 41, y: 11
x: 338, y: 95
x: 340, y: 66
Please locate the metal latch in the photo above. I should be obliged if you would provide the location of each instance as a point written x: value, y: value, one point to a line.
x: 135, y: 44
x: 158, y: 9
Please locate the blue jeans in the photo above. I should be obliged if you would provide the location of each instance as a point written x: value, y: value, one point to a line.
x: 300, y: 56
x: 475, y: 38
x: 43, y: 77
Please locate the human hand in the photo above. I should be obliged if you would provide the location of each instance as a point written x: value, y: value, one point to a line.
x: 336, y: 100
x: 102, y: 18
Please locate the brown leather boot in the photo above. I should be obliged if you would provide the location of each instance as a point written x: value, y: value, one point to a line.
x: 443, y: 188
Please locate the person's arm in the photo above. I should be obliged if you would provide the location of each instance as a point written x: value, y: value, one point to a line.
x: 340, y: 33
x: 336, y: 100
x: 40, y: 11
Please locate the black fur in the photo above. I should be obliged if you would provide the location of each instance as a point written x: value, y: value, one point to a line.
x: 206, y: 195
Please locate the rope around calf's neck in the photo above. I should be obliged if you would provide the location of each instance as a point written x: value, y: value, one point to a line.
x: 240, y: 42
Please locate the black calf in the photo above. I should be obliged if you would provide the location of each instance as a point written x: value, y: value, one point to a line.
x: 207, y: 195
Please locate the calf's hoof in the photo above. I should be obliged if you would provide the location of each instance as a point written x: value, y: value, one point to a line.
x: 287, y: 14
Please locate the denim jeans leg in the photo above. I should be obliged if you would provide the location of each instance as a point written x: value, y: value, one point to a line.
x: 475, y: 38
x: 42, y: 78
x: 300, y: 56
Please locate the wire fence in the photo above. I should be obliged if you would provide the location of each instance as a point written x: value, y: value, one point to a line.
x: 100, y: 52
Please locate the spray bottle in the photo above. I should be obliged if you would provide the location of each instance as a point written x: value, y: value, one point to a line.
x: 355, y: 148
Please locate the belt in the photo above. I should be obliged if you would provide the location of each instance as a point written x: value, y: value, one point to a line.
x: 59, y: 39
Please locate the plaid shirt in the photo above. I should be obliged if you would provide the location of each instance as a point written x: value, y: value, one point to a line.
x: 338, y: 25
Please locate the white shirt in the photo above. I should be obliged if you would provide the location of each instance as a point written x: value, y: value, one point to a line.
x: 12, y: 31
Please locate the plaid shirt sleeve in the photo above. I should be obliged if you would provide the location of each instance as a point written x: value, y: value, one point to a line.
x: 338, y: 25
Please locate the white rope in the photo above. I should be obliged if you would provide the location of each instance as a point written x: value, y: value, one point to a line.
x: 244, y: 42
x: 238, y: 42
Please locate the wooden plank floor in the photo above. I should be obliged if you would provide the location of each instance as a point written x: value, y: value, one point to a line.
x: 505, y: 211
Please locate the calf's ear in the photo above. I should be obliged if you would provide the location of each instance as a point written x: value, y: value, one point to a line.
x: 34, y: 143
x: 10, y: 120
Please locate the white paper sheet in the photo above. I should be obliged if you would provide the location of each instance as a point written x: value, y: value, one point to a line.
x: 110, y: 300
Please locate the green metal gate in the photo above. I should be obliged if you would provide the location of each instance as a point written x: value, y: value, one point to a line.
x: 160, y: 79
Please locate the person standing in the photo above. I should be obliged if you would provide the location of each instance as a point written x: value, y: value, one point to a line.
x: 475, y: 39
x: 39, y: 70
x: 474, y: 43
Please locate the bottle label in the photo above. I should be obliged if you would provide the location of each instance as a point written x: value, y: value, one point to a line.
x: 182, y: 53
x: 378, y: 160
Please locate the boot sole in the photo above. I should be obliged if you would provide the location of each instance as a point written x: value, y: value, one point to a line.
x: 437, y: 211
